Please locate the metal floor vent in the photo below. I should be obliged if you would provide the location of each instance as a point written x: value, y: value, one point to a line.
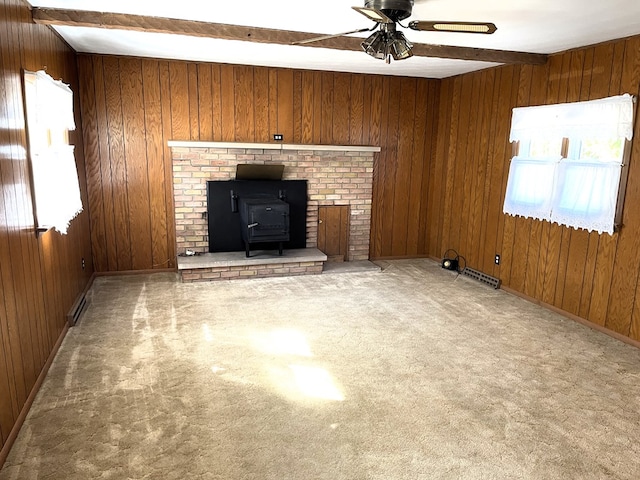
x: 481, y: 277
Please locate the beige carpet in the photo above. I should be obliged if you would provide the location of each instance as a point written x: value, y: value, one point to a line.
x: 409, y: 373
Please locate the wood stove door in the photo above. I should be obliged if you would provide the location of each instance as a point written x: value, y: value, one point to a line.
x: 333, y: 232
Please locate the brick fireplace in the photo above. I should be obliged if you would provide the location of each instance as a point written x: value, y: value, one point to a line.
x: 336, y: 175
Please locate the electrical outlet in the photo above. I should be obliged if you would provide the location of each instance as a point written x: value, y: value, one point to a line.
x: 278, y: 137
x: 497, y: 259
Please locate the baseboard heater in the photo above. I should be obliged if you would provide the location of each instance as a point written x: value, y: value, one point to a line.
x: 77, y: 309
x: 481, y: 277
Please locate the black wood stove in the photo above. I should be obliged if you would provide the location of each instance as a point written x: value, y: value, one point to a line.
x: 264, y: 220
x: 264, y: 210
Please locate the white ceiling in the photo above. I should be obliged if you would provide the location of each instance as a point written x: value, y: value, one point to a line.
x: 536, y: 26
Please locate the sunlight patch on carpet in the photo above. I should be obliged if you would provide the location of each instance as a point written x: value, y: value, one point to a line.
x: 283, y: 342
x: 316, y: 383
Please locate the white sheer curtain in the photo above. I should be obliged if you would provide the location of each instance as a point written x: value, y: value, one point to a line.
x: 586, y: 195
x: 530, y: 187
x: 55, y: 178
x: 56, y: 187
x: 54, y: 103
x: 574, y: 192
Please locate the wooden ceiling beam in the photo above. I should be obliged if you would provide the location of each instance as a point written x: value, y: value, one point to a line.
x: 140, y: 23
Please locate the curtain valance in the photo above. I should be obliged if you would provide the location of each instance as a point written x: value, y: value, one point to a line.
x: 610, y: 117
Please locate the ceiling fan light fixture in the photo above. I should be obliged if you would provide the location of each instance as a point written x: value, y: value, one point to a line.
x: 386, y: 44
x: 400, y: 46
x: 376, y: 45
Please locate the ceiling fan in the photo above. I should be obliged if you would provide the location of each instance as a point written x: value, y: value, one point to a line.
x: 387, y: 42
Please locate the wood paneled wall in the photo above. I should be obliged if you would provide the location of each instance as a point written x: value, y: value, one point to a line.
x: 586, y: 274
x: 439, y: 181
x: 131, y: 107
x: 40, y: 278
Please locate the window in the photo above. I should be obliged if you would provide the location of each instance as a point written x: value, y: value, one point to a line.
x: 49, y: 112
x: 570, y: 165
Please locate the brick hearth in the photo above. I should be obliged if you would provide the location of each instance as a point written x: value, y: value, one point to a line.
x: 234, y: 265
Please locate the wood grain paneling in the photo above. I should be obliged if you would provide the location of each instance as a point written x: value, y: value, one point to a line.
x: 136, y: 164
x: 40, y: 277
x: 589, y: 275
x: 261, y: 105
x: 402, y: 181
x: 418, y: 170
x: 356, y: 110
x: 243, y: 79
x: 157, y: 202
x: 118, y: 169
x: 326, y: 113
x: 479, y: 222
x: 194, y: 110
x: 341, y: 108
x: 205, y: 94
x: 145, y: 103
x: 624, y: 287
x: 393, y: 170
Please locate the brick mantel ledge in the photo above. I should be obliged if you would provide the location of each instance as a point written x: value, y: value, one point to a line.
x: 273, y: 146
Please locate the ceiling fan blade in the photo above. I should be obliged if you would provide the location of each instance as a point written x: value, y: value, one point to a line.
x: 459, y: 27
x: 373, y: 14
x: 325, y: 37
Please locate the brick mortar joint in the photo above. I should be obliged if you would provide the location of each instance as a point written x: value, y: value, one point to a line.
x: 222, y: 163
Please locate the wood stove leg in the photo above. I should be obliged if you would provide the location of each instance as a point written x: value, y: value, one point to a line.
x: 280, y: 248
x: 246, y: 249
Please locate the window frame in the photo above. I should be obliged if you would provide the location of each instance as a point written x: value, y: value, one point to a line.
x: 49, y: 141
x: 624, y: 172
x: 521, y: 141
x: 624, y: 176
